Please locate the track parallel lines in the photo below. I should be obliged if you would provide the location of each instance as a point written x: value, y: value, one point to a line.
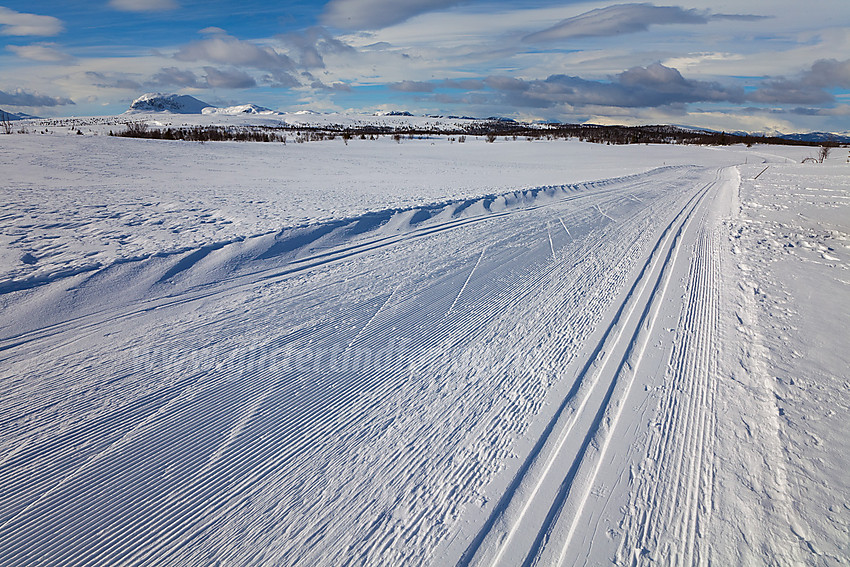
x: 672, y: 497
x: 630, y: 364
x: 596, y: 417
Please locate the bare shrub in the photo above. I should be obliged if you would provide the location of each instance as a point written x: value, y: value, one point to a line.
x: 136, y: 129
x: 6, y: 122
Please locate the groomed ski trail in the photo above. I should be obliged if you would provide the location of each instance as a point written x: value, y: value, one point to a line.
x: 446, y: 393
x: 537, y: 517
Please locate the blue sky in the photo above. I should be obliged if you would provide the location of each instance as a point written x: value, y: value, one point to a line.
x: 766, y: 65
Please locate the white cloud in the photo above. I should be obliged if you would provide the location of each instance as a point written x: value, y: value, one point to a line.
x: 112, y: 81
x: 413, y: 87
x: 172, y: 76
x: 17, y: 23
x: 312, y: 44
x: 616, y: 20
x: 143, y: 5
x: 40, y: 52
x: 651, y: 86
x: 622, y: 19
x: 376, y: 14
x: 810, y: 87
x: 229, y: 78
x: 231, y: 51
x: 696, y: 60
x: 212, y: 30
x: 840, y: 110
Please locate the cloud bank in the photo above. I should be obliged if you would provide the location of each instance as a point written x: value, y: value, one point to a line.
x: 40, y: 52
x: 639, y: 87
x: 23, y: 98
x: 229, y: 50
x: 810, y: 87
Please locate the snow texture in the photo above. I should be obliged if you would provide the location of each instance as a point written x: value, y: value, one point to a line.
x: 431, y: 353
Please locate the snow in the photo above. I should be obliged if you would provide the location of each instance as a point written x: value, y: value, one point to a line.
x: 549, y: 353
x: 113, y: 200
x: 791, y: 247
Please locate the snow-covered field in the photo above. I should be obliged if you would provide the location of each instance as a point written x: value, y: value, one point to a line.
x: 519, y: 353
x: 79, y: 203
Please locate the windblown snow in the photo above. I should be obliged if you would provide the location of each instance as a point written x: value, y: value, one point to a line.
x: 426, y: 352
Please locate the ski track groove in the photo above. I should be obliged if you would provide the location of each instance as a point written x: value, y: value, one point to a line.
x: 671, y: 527
x: 565, y: 228
x: 646, y: 330
x: 586, y: 391
x: 551, y: 246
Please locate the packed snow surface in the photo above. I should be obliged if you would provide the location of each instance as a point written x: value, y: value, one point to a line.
x: 519, y: 353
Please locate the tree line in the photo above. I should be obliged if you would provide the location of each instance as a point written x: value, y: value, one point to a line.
x: 489, y: 130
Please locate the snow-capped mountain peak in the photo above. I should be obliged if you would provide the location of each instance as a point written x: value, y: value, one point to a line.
x: 239, y: 109
x: 14, y: 115
x: 158, y: 102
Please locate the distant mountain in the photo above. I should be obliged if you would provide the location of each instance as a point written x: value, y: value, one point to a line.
x: 819, y: 137
x: 238, y: 110
x: 15, y: 115
x: 810, y: 137
x: 158, y: 102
